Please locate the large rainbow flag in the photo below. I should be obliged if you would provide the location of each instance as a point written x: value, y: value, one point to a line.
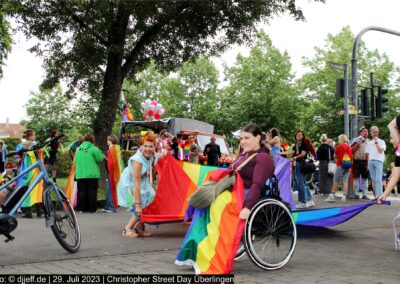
x: 214, y: 235
x: 115, y: 165
x: 178, y: 180
x: 36, y: 195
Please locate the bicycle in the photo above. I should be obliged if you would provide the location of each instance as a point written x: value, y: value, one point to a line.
x: 270, y: 234
x: 59, y: 214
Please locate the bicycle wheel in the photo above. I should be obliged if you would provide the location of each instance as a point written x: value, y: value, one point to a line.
x: 61, y: 218
x: 270, y: 234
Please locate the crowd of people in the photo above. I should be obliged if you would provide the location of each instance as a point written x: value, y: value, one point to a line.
x: 361, y: 159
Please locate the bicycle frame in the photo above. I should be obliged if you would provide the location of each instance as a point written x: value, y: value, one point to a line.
x: 42, y: 175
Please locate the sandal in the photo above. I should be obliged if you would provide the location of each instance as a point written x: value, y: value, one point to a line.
x: 129, y: 234
x: 144, y: 233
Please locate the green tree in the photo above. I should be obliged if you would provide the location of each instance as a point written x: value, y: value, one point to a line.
x: 318, y: 85
x: 260, y: 90
x: 96, y: 45
x: 52, y: 109
x: 5, y: 40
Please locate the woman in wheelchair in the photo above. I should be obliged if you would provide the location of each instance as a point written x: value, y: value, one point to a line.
x: 255, y: 166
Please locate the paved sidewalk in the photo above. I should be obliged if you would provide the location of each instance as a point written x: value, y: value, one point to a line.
x: 360, y: 250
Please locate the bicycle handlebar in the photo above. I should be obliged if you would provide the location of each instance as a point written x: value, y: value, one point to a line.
x: 34, y: 147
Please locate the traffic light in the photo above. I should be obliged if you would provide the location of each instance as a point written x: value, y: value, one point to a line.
x: 381, y: 100
x: 364, y: 102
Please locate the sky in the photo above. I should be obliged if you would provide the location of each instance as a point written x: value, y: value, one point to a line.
x: 23, y: 72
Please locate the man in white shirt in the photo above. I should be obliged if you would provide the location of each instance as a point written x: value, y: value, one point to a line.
x: 376, y: 155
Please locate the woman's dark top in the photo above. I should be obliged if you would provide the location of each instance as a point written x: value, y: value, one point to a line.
x: 254, y: 174
x: 323, y: 152
x: 299, y: 147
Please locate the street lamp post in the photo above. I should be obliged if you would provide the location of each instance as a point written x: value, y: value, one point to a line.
x: 343, y: 67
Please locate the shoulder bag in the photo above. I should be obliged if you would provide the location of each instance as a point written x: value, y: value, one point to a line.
x: 331, y: 164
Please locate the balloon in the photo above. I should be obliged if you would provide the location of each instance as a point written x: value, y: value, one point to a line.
x: 158, y: 106
x: 154, y: 103
x: 143, y: 105
x: 147, y: 102
x: 161, y: 111
x: 157, y: 116
x: 150, y: 112
x: 152, y: 107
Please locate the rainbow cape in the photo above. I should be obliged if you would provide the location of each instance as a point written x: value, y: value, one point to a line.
x: 214, y: 235
x: 71, y: 189
x: 177, y: 181
x: 115, y: 165
x: 36, y: 195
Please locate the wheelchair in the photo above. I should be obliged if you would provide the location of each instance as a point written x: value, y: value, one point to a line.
x: 270, y: 233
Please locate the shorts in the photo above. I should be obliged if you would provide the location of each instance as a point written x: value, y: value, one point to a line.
x: 360, y: 167
x: 341, y: 175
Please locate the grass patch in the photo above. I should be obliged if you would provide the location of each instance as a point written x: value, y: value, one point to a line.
x: 62, y: 183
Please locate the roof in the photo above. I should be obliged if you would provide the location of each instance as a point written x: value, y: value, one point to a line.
x: 11, y: 130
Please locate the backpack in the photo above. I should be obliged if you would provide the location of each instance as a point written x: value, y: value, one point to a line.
x: 346, y: 161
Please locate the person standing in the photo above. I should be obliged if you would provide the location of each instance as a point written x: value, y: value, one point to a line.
x: 300, y: 151
x: 74, y: 145
x: 87, y: 172
x: 3, y: 155
x: 114, y: 168
x: 376, y: 156
x: 274, y: 141
x: 212, y: 152
x: 51, y: 157
x: 360, y: 163
x: 341, y: 174
x: 194, y: 150
x: 325, y: 154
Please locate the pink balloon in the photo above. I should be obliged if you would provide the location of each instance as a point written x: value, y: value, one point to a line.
x: 157, y: 116
x: 154, y: 103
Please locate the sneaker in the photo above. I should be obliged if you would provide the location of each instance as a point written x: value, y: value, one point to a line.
x: 354, y: 196
x: 343, y: 199
x: 301, y: 205
x: 310, y: 203
x: 365, y: 197
x: 331, y: 198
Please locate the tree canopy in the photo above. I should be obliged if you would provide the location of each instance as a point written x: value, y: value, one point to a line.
x: 95, y: 45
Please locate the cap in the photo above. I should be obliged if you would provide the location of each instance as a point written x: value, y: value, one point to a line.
x: 362, y: 128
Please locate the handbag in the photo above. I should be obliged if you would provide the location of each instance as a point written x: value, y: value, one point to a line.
x: 331, y: 165
x: 307, y: 166
x: 206, y: 193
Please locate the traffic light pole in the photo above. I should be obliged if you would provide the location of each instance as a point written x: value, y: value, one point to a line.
x: 354, y: 121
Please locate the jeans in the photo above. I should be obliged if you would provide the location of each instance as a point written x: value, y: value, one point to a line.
x: 109, y: 199
x: 375, y: 171
x: 301, y: 185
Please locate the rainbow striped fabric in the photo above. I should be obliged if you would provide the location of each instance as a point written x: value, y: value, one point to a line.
x: 71, y: 189
x: 36, y: 195
x: 178, y: 180
x: 115, y: 165
x: 327, y: 217
x: 214, y: 235
x: 126, y: 111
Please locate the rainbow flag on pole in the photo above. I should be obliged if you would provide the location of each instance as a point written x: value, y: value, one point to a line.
x: 126, y: 111
x: 71, y: 189
x: 115, y: 165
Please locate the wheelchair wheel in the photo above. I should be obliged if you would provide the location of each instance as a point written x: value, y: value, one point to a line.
x: 270, y: 234
x: 61, y: 218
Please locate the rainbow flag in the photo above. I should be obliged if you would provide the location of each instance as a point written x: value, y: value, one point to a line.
x: 71, y: 189
x: 126, y: 111
x: 327, y: 217
x: 183, y: 148
x: 286, y: 146
x: 214, y: 235
x: 36, y: 195
x: 178, y: 180
x: 115, y: 166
